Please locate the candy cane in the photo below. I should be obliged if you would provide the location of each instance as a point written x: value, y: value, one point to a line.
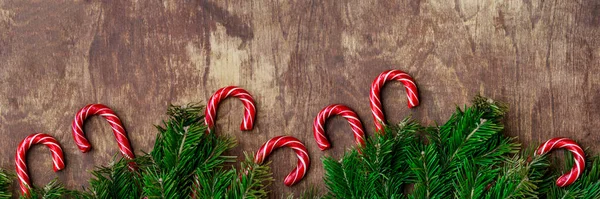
x: 247, y: 100
x: 344, y: 111
x: 376, y: 107
x: 578, y: 155
x: 286, y: 141
x: 113, y: 120
x: 21, y: 156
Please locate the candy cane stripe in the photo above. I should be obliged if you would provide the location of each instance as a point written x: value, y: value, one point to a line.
x: 376, y: 107
x: 230, y: 91
x: 344, y: 111
x: 578, y: 155
x: 112, y: 119
x: 286, y: 141
x: 21, y: 167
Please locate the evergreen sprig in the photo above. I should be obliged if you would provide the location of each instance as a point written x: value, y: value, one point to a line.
x: 120, y: 179
x: 181, y: 148
x: 251, y: 182
x: 467, y: 157
x: 425, y: 162
x: 520, y: 177
x: 379, y: 170
x: 52, y: 190
x: 6, y: 179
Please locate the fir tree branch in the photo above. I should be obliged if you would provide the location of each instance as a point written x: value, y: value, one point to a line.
x: 472, y: 181
x: 116, y: 181
x: 347, y: 178
x: 253, y: 183
x: 53, y: 190
x: 520, y: 177
x: 425, y: 164
x: 6, y: 180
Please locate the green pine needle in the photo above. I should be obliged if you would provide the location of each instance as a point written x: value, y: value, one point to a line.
x: 53, y: 190
x: 116, y: 181
x: 6, y: 180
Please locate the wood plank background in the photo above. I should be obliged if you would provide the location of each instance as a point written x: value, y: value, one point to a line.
x: 540, y: 56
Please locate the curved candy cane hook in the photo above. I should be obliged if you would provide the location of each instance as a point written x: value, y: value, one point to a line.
x: 578, y: 154
x: 344, y: 111
x: 233, y: 91
x: 286, y: 141
x: 374, y: 97
x: 113, y: 120
x: 21, y: 156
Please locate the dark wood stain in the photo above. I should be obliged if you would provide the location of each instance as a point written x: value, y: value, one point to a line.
x: 234, y: 24
x: 541, y: 57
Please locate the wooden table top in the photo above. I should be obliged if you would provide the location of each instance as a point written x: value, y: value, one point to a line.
x: 541, y: 57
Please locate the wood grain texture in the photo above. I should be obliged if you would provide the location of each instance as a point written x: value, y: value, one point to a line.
x: 295, y: 57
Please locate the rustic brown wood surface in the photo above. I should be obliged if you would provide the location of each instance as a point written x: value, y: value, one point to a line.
x: 540, y: 56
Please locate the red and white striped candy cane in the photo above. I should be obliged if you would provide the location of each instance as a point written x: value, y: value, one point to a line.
x: 21, y: 156
x: 230, y: 91
x: 113, y: 120
x: 374, y: 97
x: 286, y: 141
x: 344, y: 111
x: 578, y: 155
